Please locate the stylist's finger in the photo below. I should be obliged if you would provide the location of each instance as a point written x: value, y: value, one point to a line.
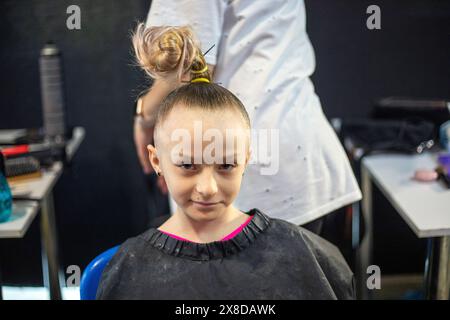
x: 142, y: 137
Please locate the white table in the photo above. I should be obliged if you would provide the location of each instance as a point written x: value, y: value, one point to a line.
x: 39, y: 195
x: 425, y: 207
x: 22, y: 216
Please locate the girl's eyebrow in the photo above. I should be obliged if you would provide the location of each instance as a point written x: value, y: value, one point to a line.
x: 189, y: 159
x: 189, y: 156
x: 232, y: 157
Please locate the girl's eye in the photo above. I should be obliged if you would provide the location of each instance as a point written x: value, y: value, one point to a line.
x: 227, y: 167
x: 186, y: 166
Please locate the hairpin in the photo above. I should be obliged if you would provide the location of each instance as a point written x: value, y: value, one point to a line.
x: 204, y: 54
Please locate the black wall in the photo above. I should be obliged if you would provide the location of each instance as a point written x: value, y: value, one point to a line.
x: 409, y: 56
x: 101, y: 200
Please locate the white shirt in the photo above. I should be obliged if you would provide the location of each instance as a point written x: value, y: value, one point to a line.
x: 263, y: 55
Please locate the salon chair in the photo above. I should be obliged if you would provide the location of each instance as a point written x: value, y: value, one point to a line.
x: 93, y: 272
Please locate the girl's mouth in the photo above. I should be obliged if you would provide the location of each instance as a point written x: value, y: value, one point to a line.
x: 205, y: 204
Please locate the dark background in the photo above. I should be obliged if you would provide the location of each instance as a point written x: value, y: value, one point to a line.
x: 102, y: 198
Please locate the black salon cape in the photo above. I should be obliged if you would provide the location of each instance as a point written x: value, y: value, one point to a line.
x: 268, y: 259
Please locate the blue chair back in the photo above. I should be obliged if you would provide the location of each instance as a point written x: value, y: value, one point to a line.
x: 93, y: 272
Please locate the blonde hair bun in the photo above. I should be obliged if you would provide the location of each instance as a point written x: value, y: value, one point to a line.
x: 166, y: 50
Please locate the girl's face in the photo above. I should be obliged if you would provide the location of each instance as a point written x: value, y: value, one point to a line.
x: 203, y: 170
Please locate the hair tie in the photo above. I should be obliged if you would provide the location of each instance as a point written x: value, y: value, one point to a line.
x: 200, y: 80
x: 200, y: 71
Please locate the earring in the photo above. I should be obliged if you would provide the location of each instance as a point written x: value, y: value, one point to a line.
x: 158, y: 173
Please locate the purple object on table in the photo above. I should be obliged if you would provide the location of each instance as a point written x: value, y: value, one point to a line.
x: 444, y: 160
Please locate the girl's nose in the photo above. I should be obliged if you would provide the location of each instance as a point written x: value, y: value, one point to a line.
x: 206, y: 184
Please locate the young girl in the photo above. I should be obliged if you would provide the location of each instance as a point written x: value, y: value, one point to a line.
x: 209, y: 249
x: 263, y: 55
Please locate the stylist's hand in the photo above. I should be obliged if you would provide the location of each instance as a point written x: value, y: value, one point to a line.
x: 142, y: 138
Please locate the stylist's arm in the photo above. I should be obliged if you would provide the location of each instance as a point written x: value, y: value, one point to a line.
x: 144, y: 124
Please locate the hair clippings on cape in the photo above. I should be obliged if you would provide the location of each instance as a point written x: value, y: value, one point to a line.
x: 200, y: 80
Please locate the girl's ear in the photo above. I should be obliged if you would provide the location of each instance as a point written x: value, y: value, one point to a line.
x: 249, y: 155
x: 153, y: 157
